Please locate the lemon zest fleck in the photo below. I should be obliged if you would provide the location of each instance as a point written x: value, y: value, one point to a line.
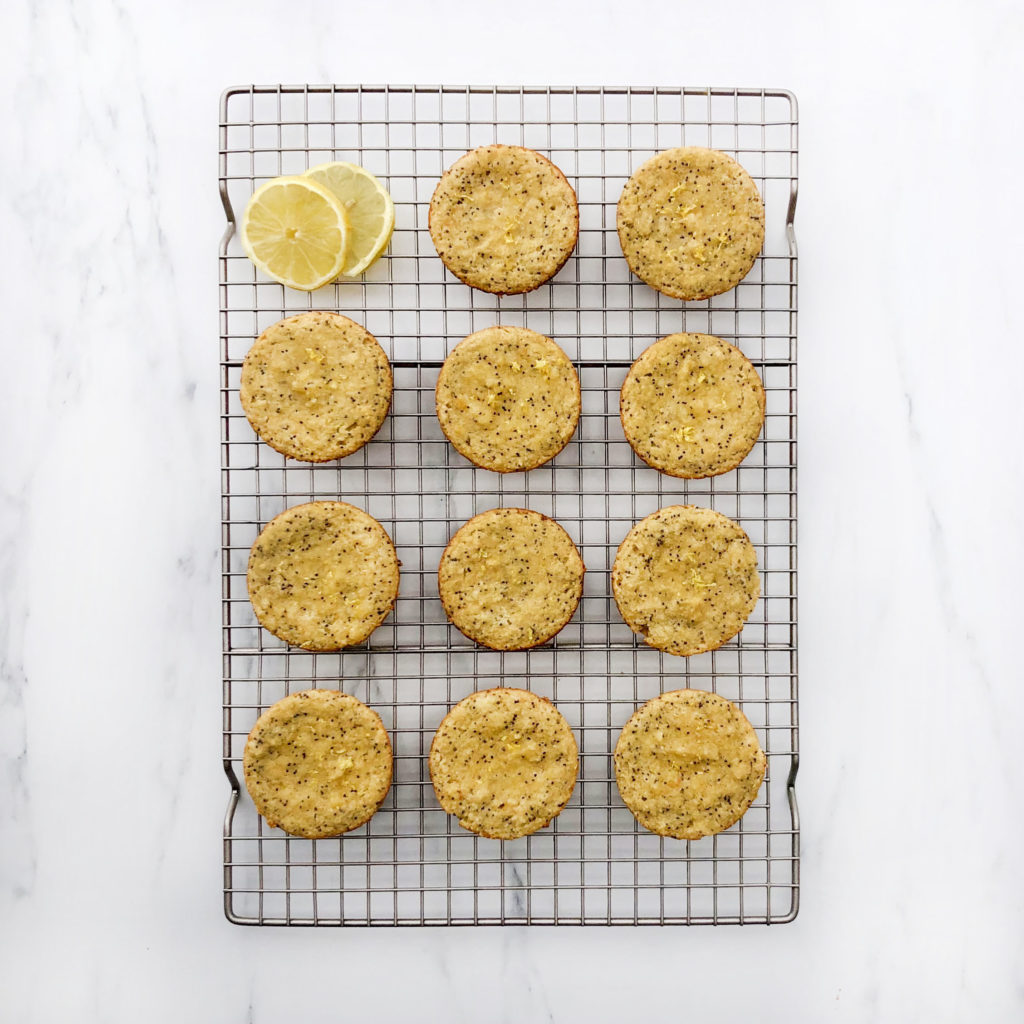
x: 510, y: 224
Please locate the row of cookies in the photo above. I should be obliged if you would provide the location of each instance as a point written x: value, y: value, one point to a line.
x: 318, y: 386
x: 325, y: 574
x: 505, y: 219
x: 690, y: 221
x: 504, y: 762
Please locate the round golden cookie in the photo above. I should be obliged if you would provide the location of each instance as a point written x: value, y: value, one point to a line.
x: 504, y: 219
x: 510, y: 578
x: 316, y: 386
x: 692, y: 406
x: 691, y: 222
x: 323, y: 575
x: 504, y: 762
x: 318, y: 764
x: 508, y: 398
x: 685, y: 578
x: 688, y: 764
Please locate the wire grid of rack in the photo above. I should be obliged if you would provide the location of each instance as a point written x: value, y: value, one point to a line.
x: 413, y: 864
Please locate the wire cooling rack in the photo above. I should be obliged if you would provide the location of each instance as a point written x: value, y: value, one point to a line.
x: 413, y: 864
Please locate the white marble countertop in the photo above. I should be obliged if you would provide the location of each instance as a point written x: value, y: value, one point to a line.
x: 111, y: 791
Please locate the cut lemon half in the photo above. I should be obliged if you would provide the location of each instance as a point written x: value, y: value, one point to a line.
x: 371, y: 213
x: 296, y: 231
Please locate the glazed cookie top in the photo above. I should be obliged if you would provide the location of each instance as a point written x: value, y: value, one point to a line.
x: 508, y: 398
x: 504, y: 219
x: 686, y: 579
x: 504, y: 762
x: 688, y: 764
x: 510, y: 578
x: 318, y: 764
x: 692, y: 405
x: 316, y: 386
x: 323, y: 575
x: 691, y: 222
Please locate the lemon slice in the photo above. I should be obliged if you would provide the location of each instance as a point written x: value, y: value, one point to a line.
x: 296, y: 231
x: 371, y: 213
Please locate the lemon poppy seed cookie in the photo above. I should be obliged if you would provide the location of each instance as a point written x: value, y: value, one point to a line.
x: 504, y: 762
x: 688, y: 764
x: 690, y: 222
x: 692, y: 405
x: 510, y: 578
x: 316, y: 386
x: 504, y: 219
x: 323, y: 575
x: 685, y: 578
x: 318, y: 764
x: 508, y: 398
